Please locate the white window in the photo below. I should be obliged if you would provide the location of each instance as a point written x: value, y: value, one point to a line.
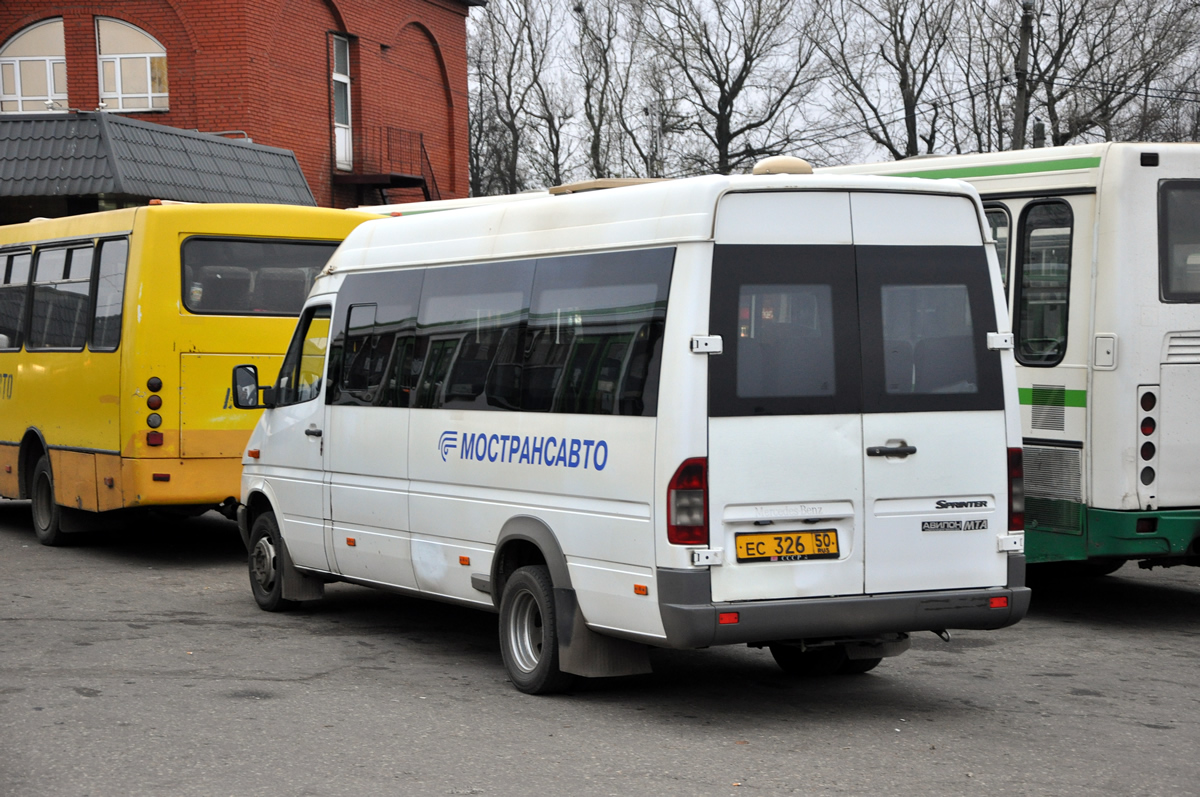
x: 133, y: 68
x: 343, y: 143
x: 33, y: 70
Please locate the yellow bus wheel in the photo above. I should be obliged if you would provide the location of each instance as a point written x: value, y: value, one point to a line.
x: 47, y: 514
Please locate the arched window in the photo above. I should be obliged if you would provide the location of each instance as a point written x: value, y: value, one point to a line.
x: 133, y: 68
x: 33, y: 70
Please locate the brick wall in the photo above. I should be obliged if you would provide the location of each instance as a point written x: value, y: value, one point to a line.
x: 263, y: 67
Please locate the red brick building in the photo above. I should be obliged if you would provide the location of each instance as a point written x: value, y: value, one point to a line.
x: 371, y: 95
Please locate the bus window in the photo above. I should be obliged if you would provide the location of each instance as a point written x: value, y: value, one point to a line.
x: 1043, y: 283
x: 245, y: 276
x: 300, y: 376
x: 595, y: 331
x: 1179, y: 240
x: 14, y: 288
x: 470, y: 323
x: 998, y: 220
x: 62, y: 283
x: 110, y: 292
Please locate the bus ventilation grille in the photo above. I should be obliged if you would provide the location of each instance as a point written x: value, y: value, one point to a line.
x: 1054, y: 473
x: 1049, y: 407
x: 1183, y: 347
x: 1045, y: 514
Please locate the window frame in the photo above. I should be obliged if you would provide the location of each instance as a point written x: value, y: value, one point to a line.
x: 343, y: 133
x: 5, y: 273
x: 184, y: 288
x: 118, y: 95
x: 53, y: 101
x: 68, y: 246
x: 1164, y: 255
x: 1018, y: 280
x: 296, y: 348
x: 96, y: 262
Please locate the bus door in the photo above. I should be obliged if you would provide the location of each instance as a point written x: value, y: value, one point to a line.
x: 935, y: 471
x: 293, y: 455
x: 785, y: 472
x: 369, y: 427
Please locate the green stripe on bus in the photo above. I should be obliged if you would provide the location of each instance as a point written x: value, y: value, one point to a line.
x: 1061, y: 165
x: 1053, y: 398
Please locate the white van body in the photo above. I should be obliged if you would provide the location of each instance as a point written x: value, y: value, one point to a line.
x: 524, y: 384
x: 1103, y: 276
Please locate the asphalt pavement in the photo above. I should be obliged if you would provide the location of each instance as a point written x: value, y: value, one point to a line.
x: 135, y: 662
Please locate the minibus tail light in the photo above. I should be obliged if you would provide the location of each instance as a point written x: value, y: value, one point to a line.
x: 687, y: 503
x: 1016, y: 490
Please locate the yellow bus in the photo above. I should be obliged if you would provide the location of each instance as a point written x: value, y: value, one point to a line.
x: 118, y: 331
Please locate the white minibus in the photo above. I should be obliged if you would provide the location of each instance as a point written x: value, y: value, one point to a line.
x: 1103, y: 276
x: 775, y: 409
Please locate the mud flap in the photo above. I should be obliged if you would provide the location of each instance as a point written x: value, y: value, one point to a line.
x: 297, y: 586
x: 581, y: 651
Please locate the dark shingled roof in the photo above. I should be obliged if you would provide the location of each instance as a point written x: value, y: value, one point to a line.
x: 83, y: 154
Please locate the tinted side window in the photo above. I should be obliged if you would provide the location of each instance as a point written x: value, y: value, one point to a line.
x: 247, y: 276
x: 926, y: 312
x: 1043, y: 283
x: 1179, y: 240
x: 304, y: 364
x: 14, y: 290
x: 595, y: 333
x: 110, y: 293
x: 62, y: 283
x: 371, y: 359
x: 470, y: 330
x: 789, y: 319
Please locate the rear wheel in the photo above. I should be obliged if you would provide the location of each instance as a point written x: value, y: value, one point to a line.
x: 794, y: 660
x: 266, y: 565
x: 528, y: 634
x: 47, y: 514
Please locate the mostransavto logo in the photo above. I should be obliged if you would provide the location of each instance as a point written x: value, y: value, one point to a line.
x: 565, y: 452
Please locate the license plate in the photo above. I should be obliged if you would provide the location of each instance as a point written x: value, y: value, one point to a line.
x: 788, y: 546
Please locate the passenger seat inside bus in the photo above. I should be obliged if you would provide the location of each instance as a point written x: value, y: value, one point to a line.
x: 944, y: 365
x: 224, y: 288
x: 279, y: 290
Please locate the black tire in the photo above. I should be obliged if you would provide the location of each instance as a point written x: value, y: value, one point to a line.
x: 1098, y: 568
x: 859, y: 666
x: 528, y: 634
x: 811, y: 663
x: 47, y: 514
x: 266, y: 565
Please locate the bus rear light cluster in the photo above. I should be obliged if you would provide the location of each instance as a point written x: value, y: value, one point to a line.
x: 687, y: 503
x: 1016, y: 489
x: 154, y: 438
x: 1147, y: 445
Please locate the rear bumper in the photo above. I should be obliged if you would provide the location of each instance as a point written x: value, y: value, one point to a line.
x: 690, y: 616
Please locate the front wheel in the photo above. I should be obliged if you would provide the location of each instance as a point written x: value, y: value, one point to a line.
x: 266, y: 565
x: 528, y: 634
x: 47, y: 514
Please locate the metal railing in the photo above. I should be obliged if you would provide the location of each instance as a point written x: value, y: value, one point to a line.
x: 391, y: 150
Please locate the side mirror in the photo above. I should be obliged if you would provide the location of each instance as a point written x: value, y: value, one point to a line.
x: 245, y: 388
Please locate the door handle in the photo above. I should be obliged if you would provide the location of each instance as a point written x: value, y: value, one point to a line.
x: 317, y: 433
x: 890, y: 451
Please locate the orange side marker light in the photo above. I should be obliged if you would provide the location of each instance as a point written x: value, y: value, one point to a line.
x: 464, y: 560
x: 252, y: 453
x: 640, y: 589
x: 350, y: 542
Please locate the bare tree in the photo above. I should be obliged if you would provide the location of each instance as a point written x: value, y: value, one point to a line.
x: 976, y: 86
x: 745, y: 67
x: 1093, y: 60
x: 886, y: 56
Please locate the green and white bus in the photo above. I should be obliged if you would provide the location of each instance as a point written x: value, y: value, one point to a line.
x: 1099, y: 248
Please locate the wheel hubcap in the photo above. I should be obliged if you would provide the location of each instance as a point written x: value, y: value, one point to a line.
x: 525, y: 631
x: 262, y: 564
